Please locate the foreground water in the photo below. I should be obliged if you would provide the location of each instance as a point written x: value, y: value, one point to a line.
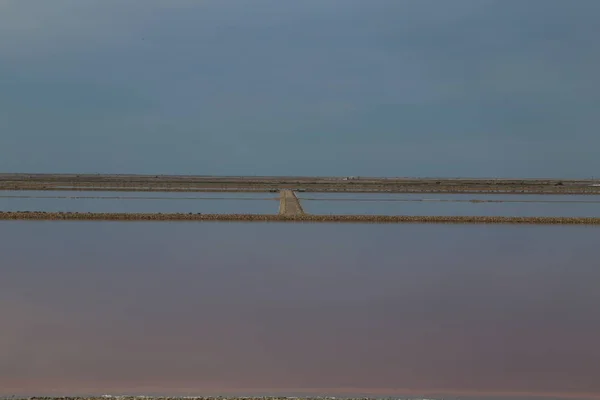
x: 183, y: 308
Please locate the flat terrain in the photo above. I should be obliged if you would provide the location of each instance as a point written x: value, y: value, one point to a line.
x: 289, y: 204
x: 184, y: 183
x: 414, y: 397
x: 290, y: 209
x: 380, y: 219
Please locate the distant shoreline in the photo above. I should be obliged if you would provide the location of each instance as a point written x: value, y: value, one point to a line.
x: 350, y: 184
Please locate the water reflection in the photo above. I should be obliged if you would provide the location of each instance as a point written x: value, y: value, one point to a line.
x: 183, y: 308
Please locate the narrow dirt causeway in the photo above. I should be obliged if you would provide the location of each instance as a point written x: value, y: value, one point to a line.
x: 289, y: 204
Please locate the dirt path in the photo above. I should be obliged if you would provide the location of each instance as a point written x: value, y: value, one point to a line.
x: 289, y: 204
x: 377, y: 219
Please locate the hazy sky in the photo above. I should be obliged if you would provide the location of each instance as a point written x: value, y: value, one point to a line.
x: 193, y: 308
x: 347, y: 87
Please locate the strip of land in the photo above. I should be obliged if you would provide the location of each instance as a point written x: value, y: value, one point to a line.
x: 183, y: 183
x: 289, y: 204
x: 378, y: 219
x: 417, y: 395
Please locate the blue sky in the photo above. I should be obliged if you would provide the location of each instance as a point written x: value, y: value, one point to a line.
x: 314, y: 87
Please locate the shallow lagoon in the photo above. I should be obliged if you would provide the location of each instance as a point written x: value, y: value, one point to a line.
x: 452, y: 204
x: 140, y: 202
x: 314, y: 203
x: 193, y: 306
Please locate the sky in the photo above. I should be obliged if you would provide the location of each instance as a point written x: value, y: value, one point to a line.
x: 186, y: 308
x: 478, y: 88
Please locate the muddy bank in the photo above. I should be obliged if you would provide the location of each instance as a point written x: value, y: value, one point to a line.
x: 378, y: 219
x: 309, y: 184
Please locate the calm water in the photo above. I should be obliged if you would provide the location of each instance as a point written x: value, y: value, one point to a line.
x: 451, y: 204
x: 166, y: 202
x: 314, y: 203
x: 184, y: 308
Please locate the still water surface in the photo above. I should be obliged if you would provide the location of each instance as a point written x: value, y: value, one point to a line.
x: 139, y: 202
x: 452, y: 204
x: 313, y: 203
x: 186, y: 308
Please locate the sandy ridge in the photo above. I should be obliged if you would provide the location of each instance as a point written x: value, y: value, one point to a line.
x: 381, y: 219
